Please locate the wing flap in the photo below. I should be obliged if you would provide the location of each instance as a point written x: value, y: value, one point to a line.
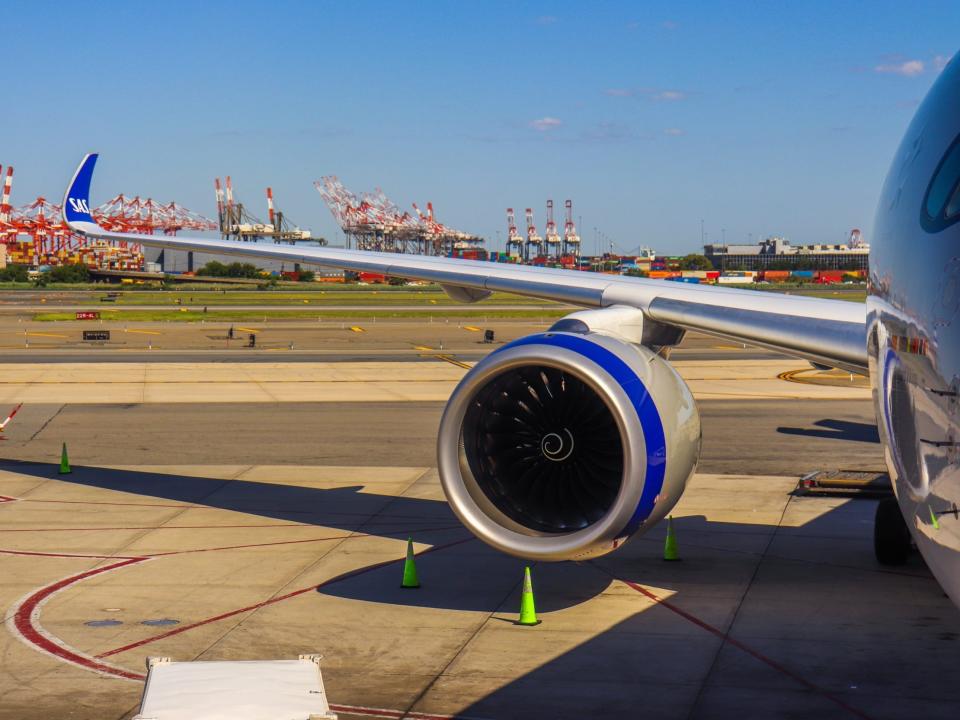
x: 825, y: 341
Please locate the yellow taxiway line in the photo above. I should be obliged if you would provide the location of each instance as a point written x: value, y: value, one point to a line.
x: 450, y: 359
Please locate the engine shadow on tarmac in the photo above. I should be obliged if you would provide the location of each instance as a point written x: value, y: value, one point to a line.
x: 466, y: 574
x: 837, y: 430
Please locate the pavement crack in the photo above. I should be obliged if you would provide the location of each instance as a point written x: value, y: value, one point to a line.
x: 480, y: 626
x: 48, y: 421
x: 736, y: 613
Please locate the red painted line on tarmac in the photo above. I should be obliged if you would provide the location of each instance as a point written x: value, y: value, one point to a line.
x: 297, y: 542
x: 207, y: 621
x: 24, y: 623
x: 33, y: 553
x: 147, y: 556
x: 122, y: 504
x: 745, y: 648
x: 254, y: 545
x: 272, y: 601
x: 154, y: 527
x: 248, y: 510
x: 301, y: 526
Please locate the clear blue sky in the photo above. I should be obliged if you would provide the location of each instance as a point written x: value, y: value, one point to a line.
x: 758, y: 118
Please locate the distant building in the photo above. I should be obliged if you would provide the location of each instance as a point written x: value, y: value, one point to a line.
x: 776, y: 253
x: 179, y: 261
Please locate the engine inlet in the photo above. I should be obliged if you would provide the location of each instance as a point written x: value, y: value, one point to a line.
x: 544, y: 448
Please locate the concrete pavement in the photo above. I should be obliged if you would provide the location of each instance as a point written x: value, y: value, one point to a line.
x: 777, y: 608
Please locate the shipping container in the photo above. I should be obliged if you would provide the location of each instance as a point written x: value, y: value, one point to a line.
x: 801, y: 273
x: 734, y: 280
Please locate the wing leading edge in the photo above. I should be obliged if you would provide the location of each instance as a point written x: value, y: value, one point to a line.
x: 829, y: 332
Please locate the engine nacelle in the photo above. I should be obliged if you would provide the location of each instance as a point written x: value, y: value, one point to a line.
x: 562, y: 445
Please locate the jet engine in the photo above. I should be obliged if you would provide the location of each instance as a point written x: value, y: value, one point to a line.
x: 563, y: 445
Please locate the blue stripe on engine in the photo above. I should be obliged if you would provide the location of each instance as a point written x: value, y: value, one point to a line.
x: 642, y: 403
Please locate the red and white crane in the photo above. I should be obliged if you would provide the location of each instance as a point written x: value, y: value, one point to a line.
x: 534, y: 241
x: 236, y: 222
x: 271, y: 216
x: 551, y: 236
x: 374, y: 222
x: 515, y: 242
x: 7, y: 229
x: 571, y: 240
x: 5, y: 208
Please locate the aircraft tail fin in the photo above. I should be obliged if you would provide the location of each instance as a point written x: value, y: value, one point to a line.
x: 76, y: 201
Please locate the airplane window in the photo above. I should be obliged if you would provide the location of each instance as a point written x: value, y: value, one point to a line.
x: 942, y: 204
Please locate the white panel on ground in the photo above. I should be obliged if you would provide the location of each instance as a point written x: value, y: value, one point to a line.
x: 235, y: 690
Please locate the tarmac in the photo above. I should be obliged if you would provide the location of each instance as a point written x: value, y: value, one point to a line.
x: 260, y: 509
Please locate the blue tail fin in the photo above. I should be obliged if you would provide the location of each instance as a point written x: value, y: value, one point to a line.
x: 76, y: 201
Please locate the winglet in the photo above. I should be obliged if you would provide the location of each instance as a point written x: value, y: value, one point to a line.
x: 76, y: 201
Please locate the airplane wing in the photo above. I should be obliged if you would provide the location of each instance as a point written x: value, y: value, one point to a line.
x: 826, y: 332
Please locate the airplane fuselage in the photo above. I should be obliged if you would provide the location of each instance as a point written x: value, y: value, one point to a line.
x: 913, y: 327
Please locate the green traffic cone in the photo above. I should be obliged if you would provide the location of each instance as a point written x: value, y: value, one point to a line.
x: 670, y: 551
x: 410, y: 579
x: 528, y: 611
x: 64, y: 461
